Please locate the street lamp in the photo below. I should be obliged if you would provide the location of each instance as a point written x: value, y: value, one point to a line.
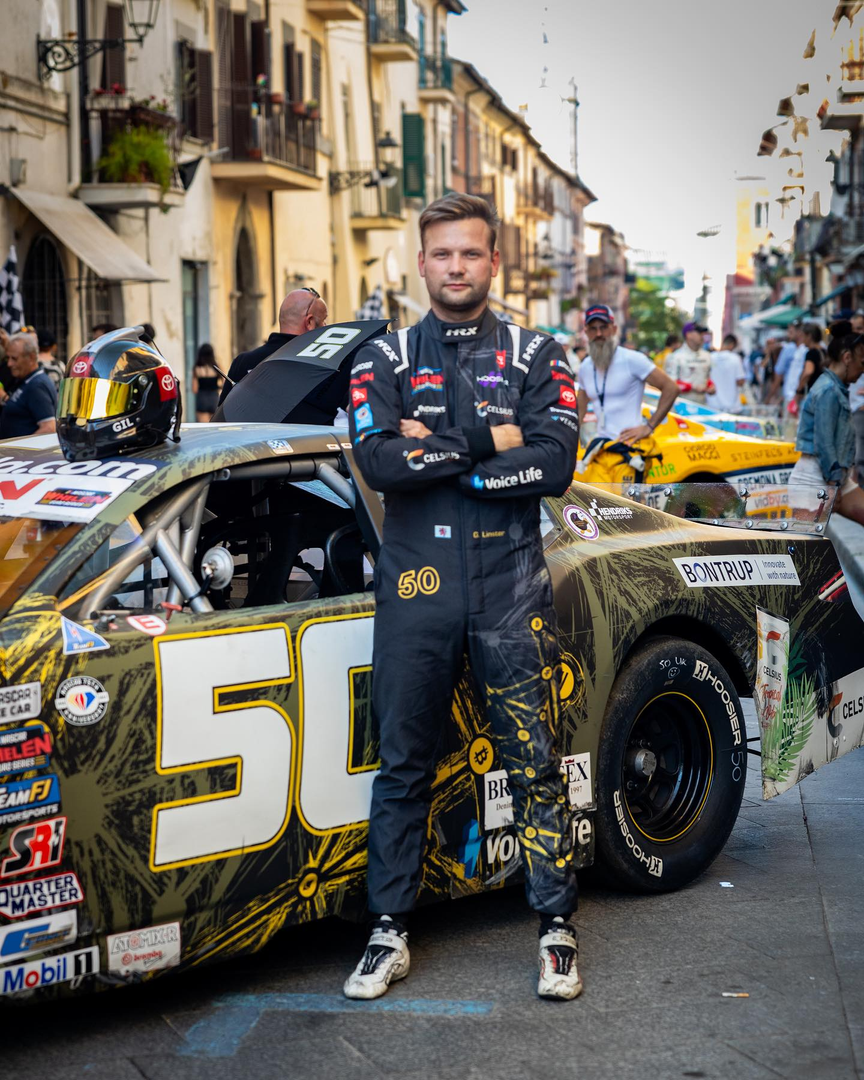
x: 376, y: 177
x: 64, y: 54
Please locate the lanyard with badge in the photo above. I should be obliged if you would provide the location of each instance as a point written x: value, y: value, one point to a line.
x: 601, y: 397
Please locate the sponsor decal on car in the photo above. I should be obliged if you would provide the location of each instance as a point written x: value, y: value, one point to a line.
x: 81, y: 700
x: 147, y: 624
x: 38, y: 935
x: 140, y: 951
x: 78, y: 639
x: 280, y: 446
x: 576, y: 770
x: 44, y: 489
x: 23, y: 800
x: 19, y: 898
x: 35, y: 847
x: 652, y: 863
x: 703, y: 673
x: 67, y: 967
x: 503, y: 846
x: 580, y: 522
x: 497, y: 800
x: 25, y: 748
x: 609, y: 513
x: 728, y: 571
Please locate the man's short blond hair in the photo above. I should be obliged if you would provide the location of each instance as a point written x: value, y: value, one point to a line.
x: 459, y: 207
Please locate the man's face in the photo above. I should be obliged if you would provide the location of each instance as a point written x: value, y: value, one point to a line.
x: 694, y: 339
x: 20, y: 364
x: 597, y: 330
x: 458, y: 263
x: 795, y: 335
x: 857, y: 324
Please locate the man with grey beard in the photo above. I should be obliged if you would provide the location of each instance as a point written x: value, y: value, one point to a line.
x: 612, y: 379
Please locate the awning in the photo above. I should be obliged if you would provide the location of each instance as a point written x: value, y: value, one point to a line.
x: 763, y: 318
x: 87, y: 236
x: 831, y: 295
x: 495, y: 299
x: 854, y: 255
x: 407, y: 302
x: 785, y: 317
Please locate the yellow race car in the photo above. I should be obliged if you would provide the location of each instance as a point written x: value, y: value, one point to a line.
x: 684, y: 449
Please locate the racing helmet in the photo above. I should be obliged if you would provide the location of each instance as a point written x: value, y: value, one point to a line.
x: 119, y: 394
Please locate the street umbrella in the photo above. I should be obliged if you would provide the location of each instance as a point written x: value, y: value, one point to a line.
x: 273, y: 390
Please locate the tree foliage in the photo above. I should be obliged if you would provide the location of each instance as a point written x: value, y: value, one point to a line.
x: 652, y: 317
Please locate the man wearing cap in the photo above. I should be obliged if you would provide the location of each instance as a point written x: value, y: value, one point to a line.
x: 690, y: 366
x: 612, y: 380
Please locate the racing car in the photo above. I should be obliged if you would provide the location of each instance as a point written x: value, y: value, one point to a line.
x: 747, y: 422
x: 187, y: 746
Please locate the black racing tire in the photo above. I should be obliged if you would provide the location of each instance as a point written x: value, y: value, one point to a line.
x: 670, y: 768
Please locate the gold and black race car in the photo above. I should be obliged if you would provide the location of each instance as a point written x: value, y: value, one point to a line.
x: 186, y: 741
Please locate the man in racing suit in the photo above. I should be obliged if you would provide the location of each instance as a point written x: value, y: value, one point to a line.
x: 464, y: 423
x: 690, y: 366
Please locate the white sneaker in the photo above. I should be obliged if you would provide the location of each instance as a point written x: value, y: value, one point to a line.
x: 559, y: 953
x: 385, y: 960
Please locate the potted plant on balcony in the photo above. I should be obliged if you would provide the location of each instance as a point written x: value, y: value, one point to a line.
x: 137, y: 155
x: 313, y: 110
x: 114, y: 99
x: 298, y: 108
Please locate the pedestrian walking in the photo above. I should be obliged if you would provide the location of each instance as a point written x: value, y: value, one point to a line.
x: 31, y: 409
x: 825, y: 435
x: 301, y: 310
x: 690, y: 366
x: 207, y: 381
x: 47, y: 357
x: 612, y: 382
x: 728, y: 376
x: 813, y: 360
x: 464, y: 423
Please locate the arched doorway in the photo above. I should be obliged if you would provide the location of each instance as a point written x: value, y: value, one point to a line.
x: 247, y: 334
x: 43, y: 290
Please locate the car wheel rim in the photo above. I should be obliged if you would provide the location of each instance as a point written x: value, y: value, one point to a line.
x: 668, y: 767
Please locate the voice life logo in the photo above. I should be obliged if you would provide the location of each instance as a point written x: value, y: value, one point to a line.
x: 503, y: 846
x: 68, y: 967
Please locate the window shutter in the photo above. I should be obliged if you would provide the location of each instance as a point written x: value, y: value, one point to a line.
x: 414, y: 155
x: 290, y: 72
x: 240, y: 50
x: 114, y: 60
x: 203, y: 101
x: 301, y: 84
x: 315, y: 72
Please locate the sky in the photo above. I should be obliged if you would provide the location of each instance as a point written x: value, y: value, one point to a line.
x: 674, y: 96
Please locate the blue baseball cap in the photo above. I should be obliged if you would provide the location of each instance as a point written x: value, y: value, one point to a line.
x: 600, y: 313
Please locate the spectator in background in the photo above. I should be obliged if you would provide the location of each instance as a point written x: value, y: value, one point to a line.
x: 857, y: 321
x: 690, y: 365
x: 673, y: 342
x: 793, y: 373
x: 29, y: 410
x: 813, y: 361
x: 825, y: 436
x: 783, y: 362
x: 207, y: 381
x: 47, y: 357
x: 728, y: 376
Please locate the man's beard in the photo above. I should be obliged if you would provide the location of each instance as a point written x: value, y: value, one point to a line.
x: 466, y: 300
x: 601, y: 352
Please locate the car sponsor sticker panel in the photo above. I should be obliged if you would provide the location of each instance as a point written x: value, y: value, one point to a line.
x: 140, y: 951
x: 49, y: 971
x: 23, y: 749
x: 60, y: 490
x: 21, y: 800
x: 730, y: 571
x: 20, y: 898
x: 39, y: 935
x: 22, y: 702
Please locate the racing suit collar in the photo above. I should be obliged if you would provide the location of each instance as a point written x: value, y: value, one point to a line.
x: 452, y: 333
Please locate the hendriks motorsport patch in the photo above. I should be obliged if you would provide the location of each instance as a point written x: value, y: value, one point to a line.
x: 81, y: 700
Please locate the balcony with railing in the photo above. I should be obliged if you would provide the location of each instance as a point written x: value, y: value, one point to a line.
x: 389, y: 40
x: 338, y: 10
x: 435, y: 80
x: 484, y: 186
x: 535, y: 200
x: 379, y: 206
x: 269, y: 145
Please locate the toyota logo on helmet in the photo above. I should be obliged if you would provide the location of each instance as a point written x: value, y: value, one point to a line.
x: 119, y: 395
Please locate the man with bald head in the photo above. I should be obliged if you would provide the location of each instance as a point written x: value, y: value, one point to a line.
x: 301, y: 310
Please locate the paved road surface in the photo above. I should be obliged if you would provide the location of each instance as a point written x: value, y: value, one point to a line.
x: 788, y: 932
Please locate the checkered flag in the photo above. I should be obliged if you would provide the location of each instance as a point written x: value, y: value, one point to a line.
x: 374, y: 306
x: 11, y: 304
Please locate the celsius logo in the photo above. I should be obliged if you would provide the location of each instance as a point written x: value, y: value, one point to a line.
x: 414, y: 460
x: 462, y: 331
x: 580, y: 522
x: 483, y: 407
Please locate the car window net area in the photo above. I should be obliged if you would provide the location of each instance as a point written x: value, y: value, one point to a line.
x: 144, y: 588
x: 289, y: 541
x: 27, y: 545
x: 775, y: 507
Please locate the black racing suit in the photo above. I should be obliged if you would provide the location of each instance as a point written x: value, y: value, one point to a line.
x: 461, y: 567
